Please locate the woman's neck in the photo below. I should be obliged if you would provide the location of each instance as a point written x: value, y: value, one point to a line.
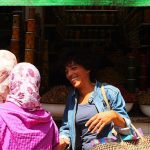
x: 85, y: 92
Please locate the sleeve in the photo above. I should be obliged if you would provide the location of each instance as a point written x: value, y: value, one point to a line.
x: 55, y: 140
x: 64, y: 129
x: 2, y: 131
x: 118, y: 104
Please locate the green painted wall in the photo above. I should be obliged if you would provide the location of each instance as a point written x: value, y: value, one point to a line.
x: 74, y: 2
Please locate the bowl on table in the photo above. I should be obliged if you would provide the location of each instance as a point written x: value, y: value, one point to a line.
x: 129, y: 106
x: 145, y: 109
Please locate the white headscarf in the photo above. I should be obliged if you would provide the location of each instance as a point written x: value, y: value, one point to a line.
x: 24, y: 86
x: 7, y: 62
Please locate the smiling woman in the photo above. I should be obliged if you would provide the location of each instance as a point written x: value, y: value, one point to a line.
x: 86, y: 116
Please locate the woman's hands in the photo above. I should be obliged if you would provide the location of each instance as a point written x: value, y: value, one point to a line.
x: 63, y: 143
x: 100, y: 120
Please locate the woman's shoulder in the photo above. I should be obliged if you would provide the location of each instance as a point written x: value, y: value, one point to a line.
x: 110, y: 88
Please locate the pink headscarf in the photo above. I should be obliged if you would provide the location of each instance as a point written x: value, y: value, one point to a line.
x: 21, y: 127
x: 7, y: 62
x: 24, y: 86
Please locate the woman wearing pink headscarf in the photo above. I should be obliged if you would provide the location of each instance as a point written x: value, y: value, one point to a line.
x: 24, y: 124
x: 7, y: 62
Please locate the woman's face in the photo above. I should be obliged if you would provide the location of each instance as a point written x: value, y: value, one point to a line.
x: 77, y: 74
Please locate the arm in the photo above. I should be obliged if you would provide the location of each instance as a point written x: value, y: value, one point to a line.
x: 55, y: 140
x: 118, y: 115
x: 117, y: 119
x: 64, y: 138
x: 3, y: 128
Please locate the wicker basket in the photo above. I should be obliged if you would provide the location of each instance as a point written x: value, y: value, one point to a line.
x: 130, y: 145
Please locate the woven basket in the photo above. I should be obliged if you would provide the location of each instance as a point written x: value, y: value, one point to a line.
x: 130, y: 145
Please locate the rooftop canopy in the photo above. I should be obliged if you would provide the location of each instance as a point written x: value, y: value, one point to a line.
x: 74, y: 2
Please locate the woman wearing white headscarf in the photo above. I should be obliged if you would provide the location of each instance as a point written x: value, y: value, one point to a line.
x: 7, y: 62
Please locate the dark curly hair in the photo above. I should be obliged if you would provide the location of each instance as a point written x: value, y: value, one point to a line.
x: 81, y: 57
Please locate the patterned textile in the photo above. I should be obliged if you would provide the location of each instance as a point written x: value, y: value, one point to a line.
x: 21, y: 129
x: 24, y: 86
x: 103, y: 140
x: 7, y: 62
x: 111, y: 139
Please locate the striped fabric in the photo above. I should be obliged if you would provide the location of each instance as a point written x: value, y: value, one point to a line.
x: 105, y: 140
